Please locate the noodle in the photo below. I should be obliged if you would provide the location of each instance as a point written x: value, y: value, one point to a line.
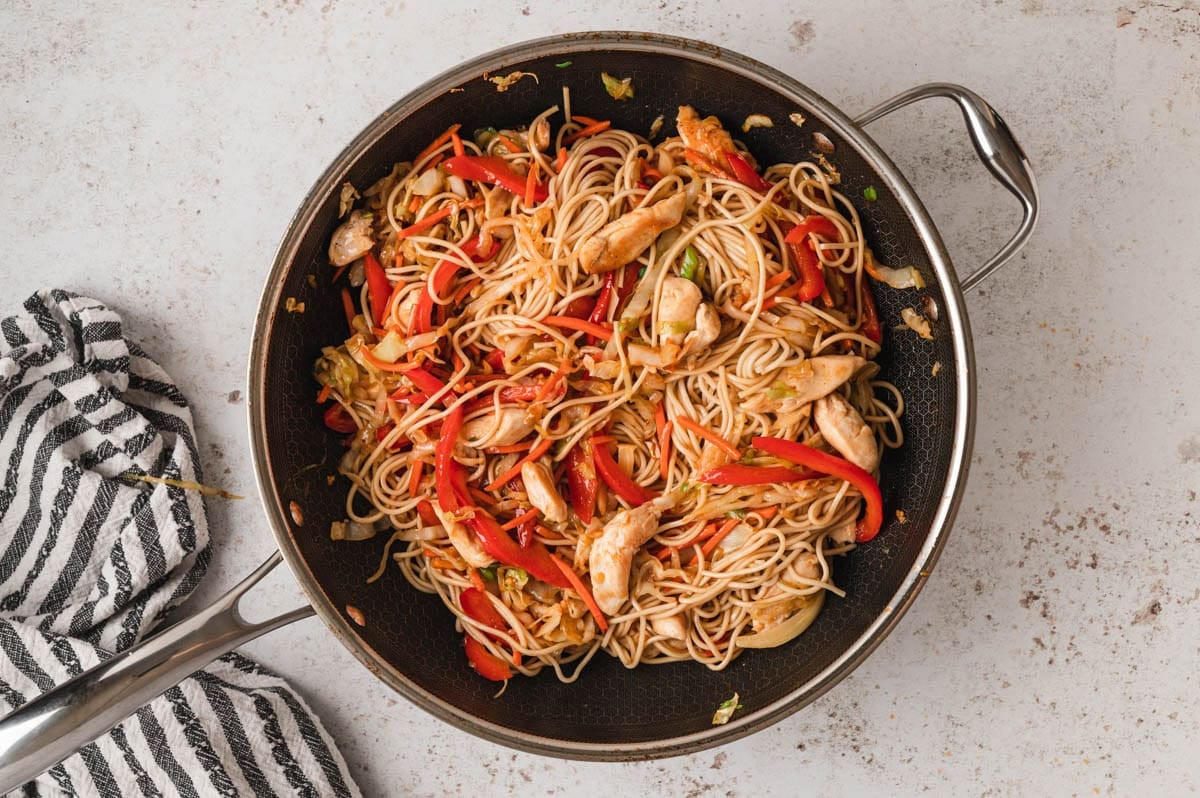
x: 743, y: 314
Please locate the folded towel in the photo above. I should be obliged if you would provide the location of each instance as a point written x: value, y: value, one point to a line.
x: 91, y: 561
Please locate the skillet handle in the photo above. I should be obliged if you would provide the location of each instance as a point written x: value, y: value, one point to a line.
x: 46, y: 730
x: 996, y: 147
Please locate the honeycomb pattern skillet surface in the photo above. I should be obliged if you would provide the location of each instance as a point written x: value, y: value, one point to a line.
x: 409, y: 638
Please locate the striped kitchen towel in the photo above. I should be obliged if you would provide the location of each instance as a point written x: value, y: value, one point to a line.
x: 91, y: 561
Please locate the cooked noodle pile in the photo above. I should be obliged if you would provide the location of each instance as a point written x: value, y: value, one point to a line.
x: 609, y: 394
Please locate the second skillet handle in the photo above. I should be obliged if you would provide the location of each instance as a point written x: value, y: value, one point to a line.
x: 46, y: 730
x: 997, y: 148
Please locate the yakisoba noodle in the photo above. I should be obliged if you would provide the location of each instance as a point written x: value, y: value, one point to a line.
x: 609, y: 394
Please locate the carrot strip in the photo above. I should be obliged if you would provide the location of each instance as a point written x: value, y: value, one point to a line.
x: 707, y: 532
x: 520, y: 519
x: 710, y: 436
x: 413, y: 204
x: 477, y: 579
x: 592, y: 129
x: 716, y: 539
x: 509, y: 144
x: 465, y: 289
x: 562, y: 159
x: 664, y: 440
x: 442, y: 564
x: 550, y: 384
x: 583, y: 120
x: 482, y: 497
x: 538, y: 451
x: 510, y: 448
x: 414, y: 477
x: 323, y: 396
x: 438, y: 142
x: 778, y: 279
x: 348, y: 306
x: 433, y: 218
x: 583, y: 592
x: 459, y: 149
x: 767, y: 513
x: 569, y: 323
x: 597, y: 440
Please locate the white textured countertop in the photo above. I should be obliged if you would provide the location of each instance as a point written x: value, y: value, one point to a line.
x: 153, y: 153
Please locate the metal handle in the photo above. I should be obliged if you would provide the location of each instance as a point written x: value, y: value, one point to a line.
x: 997, y: 148
x: 46, y: 730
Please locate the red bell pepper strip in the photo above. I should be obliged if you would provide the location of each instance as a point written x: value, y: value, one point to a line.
x: 535, y: 559
x: 745, y: 174
x: 443, y: 275
x: 582, y: 485
x: 378, y: 287
x: 479, y: 607
x: 808, y: 265
x: 871, y: 522
x: 633, y: 493
x: 600, y: 310
x: 495, y: 359
x: 526, y: 532
x: 339, y: 420
x: 869, y: 315
x: 580, y: 307
x: 485, y: 663
x: 739, y: 474
x: 493, y: 170
x: 397, y: 444
x: 443, y: 458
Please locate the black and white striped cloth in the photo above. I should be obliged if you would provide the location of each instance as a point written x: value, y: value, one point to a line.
x: 91, y: 562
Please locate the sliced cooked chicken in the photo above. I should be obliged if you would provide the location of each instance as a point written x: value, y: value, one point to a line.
x: 798, y: 385
x: 612, y: 553
x: 671, y: 626
x: 624, y: 239
x: 539, y: 486
x: 706, y: 136
x: 845, y: 430
x: 677, y: 307
x: 352, y: 239
x: 503, y: 430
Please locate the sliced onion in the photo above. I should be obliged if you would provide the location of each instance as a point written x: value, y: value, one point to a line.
x: 906, y: 277
x: 790, y: 629
x: 423, y: 533
x: 915, y: 322
x: 458, y: 186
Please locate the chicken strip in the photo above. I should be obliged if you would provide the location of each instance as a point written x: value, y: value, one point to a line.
x: 845, y: 430
x: 612, y: 553
x: 625, y: 238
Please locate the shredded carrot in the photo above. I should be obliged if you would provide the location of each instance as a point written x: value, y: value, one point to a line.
x: 530, y: 184
x: 437, y: 159
x: 383, y: 365
x: 562, y: 159
x: 414, y: 477
x: 477, y: 579
x: 442, y: 564
x: 583, y: 120
x: 583, y: 592
x: 705, y: 533
x: 664, y: 440
x: 710, y: 436
x: 592, y: 129
x: 430, y: 552
x: 550, y: 384
x: 650, y: 171
x: 598, y: 440
x: 433, y: 218
x: 716, y: 539
x: 438, y: 142
x: 482, y: 497
x: 767, y: 513
x: 348, y: 306
x: 459, y: 149
x: 569, y: 323
x: 508, y: 143
x: 520, y: 519
x: 538, y: 451
x: 516, y: 659
x: 323, y: 395
x: 465, y: 289
x: 778, y: 279
x: 510, y: 448
x: 414, y: 203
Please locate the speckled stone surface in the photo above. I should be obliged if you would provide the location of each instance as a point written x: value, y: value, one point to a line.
x: 153, y: 153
